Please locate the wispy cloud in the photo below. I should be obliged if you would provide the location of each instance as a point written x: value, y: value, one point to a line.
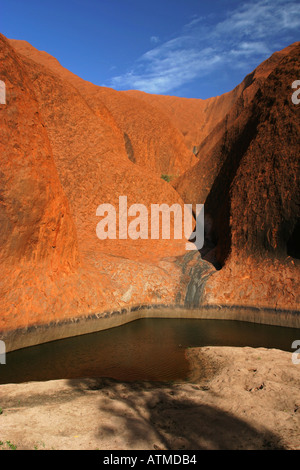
x: 154, y: 39
x: 166, y: 68
x: 245, y: 36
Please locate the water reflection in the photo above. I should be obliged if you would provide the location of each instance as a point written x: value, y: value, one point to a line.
x: 148, y: 349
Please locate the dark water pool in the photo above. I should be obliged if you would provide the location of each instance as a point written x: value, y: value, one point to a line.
x: 147, y: 349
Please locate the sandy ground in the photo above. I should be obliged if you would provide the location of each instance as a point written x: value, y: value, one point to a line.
x: 236, y: 398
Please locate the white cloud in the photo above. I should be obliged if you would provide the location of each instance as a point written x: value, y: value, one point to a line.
x: 154, y: 39
x: 261, y: 19
x: 250, y: 48
x: 168, y: 70
x: 244, y: 37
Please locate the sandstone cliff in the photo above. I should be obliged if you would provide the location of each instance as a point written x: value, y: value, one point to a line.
x: 68, y: 146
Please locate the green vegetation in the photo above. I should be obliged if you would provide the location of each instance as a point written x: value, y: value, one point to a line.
x: 9, y: 445
x: 40, y: 443
x: 167, y: 178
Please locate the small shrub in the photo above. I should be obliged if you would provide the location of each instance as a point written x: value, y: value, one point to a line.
x: 167, y: 178
x: 11, y: 446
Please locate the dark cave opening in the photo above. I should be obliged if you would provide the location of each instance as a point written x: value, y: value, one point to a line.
x: 293, y: 243
x: 209, y: 252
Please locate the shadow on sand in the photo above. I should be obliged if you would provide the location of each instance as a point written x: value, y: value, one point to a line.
x: 170, y: 417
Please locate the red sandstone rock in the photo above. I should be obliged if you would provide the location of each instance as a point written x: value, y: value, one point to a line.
x: 70, y: 158
x: 249, y: 183
x: 198, y: 119
x: 68, y: 146
x: 149, y: 137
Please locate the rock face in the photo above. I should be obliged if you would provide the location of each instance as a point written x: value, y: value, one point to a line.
x: 196, y: 183
x: 35, y: 215
x: 200, y: 120
x: 249, y: 182
x: 149, y: 136
x: 68, y: 146
x: 60, y: 159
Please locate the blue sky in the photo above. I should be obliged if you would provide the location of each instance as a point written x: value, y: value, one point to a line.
x: 185, y: 48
